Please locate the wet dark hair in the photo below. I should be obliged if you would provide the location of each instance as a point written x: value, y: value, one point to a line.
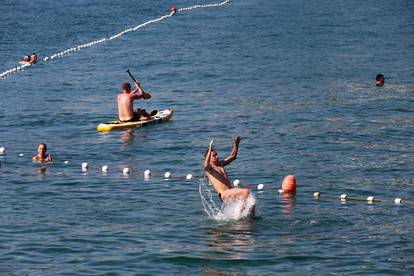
x: 34, y: 54
x: 43, y: 145
x: 126, y: 86
x: 379, y: 77
x: 212, y: 150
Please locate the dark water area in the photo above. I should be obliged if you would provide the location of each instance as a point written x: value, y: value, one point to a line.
x: 296, y: 79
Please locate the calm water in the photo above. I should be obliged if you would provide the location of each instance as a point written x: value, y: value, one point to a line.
x: 294, y: 78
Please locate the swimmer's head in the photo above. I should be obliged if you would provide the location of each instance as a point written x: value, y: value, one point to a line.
x: 26, y: 58
x: 214, y: 158
x: 42, y: 148
x: 380, y: 79
x: 33, y: 58
x: 126, y: 87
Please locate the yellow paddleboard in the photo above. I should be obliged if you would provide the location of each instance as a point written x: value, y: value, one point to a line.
x: 161, y: 116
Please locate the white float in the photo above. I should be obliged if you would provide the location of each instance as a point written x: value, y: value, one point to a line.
x: 85, y: 166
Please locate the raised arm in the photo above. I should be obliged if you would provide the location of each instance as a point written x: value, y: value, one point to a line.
x: 208, y: 156
x: 140, y: 93
x: 234, y: 152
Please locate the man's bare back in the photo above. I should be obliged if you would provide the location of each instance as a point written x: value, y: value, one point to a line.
x: 126, y: 103
x: 218, y: 177
x: 126, y: 106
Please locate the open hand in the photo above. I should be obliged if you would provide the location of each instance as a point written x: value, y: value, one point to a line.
x: 237, y: 140
x: 211, y: 143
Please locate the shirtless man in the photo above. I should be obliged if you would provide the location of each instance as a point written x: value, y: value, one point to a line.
x: 218, y: 177
x: 33, y: 58
x: 126, y: 103
x: 41, y: 155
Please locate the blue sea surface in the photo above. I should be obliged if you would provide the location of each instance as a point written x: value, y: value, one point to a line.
x: 295, y: 79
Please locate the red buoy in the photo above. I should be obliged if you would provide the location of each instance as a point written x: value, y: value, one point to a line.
x: 289, y: 184
x: 173, y: 9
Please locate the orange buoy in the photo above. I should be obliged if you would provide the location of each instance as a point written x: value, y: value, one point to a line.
x: 289, y: 184
x: 173, y: 9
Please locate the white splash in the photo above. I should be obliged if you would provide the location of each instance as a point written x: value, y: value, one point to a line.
x: 237, y: 210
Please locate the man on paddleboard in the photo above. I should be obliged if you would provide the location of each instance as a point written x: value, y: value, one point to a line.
x: 217, y: 175
x: 126, y: 103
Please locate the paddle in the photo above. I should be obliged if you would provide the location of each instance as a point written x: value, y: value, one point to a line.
x: 145, y: 95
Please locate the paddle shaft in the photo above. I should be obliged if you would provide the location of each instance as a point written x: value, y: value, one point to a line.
x: 132, y: 77
x: 145, y: 95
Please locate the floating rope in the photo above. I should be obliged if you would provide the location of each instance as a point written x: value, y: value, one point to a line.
x: 369, y: 199
x: 99, y: 41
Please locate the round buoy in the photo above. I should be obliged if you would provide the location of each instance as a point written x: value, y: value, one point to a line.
x: 2, y: 150
x: 85, y: 166
x: 260, y: 187
x: 174, y: 9
x: 370, y: 199
x: 126, y: 171
x: 167, y: 175
x: 105, y: 169
x: 236, y: 182
x: 189, y: 176
x: 289, y: 184
x: 21, y: 154
x: 66, y: 162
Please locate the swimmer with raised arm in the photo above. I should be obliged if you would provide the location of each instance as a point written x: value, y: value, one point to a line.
x: 42, y: 155
x: 217, y: 175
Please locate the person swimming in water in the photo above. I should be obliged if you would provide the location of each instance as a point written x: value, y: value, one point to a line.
x: 33, y: 58
x: 26, y: 60
x: 126, y: 104
x: 42, y: 155
x: 380, y: 79
x: 217, y: 175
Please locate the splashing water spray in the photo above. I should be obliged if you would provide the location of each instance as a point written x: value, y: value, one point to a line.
x: 237, y: 210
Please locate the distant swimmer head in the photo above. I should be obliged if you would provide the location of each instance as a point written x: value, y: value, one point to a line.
x: 126, y: 87
x: 42, y: 148
x: 33, y: 58
x: 26, y: 58
x: 380, y: 79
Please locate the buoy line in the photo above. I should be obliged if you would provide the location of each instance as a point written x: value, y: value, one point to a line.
x: 105, y: 39
x: 369, y: 199
x: 288, y: 186
x: 127, y: 171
